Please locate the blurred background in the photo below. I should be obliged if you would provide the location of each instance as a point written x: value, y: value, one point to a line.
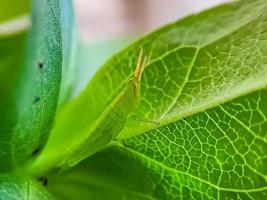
x: 109, y: 19
x: 106, y: 26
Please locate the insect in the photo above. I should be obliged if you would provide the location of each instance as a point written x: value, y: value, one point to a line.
x: 113, y: 119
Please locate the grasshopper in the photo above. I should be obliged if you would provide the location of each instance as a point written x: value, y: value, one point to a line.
x: 113, y: 119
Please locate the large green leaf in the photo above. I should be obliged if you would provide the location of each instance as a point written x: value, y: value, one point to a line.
x: 29, y: 113
x: 14, y: 187
x: 205, y: 84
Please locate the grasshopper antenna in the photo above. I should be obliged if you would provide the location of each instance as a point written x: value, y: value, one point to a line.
x: 141, y: 64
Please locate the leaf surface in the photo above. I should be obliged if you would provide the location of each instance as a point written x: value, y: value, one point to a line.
x: 172, y: 50
x: 206, y: 84
x: 30, y: 110
x: 14, y: 25
x: 122, y: 173
x: 21, y: 188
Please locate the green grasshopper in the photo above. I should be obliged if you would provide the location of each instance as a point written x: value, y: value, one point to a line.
x: 113, y: 119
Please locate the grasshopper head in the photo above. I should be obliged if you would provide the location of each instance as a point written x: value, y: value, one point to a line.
x: 130, y: 96
x: 135, y: 82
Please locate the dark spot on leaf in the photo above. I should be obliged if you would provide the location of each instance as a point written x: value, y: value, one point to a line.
x: 36, y: 99
x: 40, y: 65
x: 43, y: 180
x: 36, y: 151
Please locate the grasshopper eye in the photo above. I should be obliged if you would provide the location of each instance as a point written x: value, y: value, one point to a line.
x: 135, y: 86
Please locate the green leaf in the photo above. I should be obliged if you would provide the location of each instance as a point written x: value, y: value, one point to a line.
x: 31, y: 109
x: 21, y: 188
x: 11, y: 51
x: 14, y: 24
x: 217, y: 153
x: 11, y: 58
x: 209, y: 94
x: 107, y: 175
x: 70, y: 46
x: 206, y: 84
x: 122, y: 173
